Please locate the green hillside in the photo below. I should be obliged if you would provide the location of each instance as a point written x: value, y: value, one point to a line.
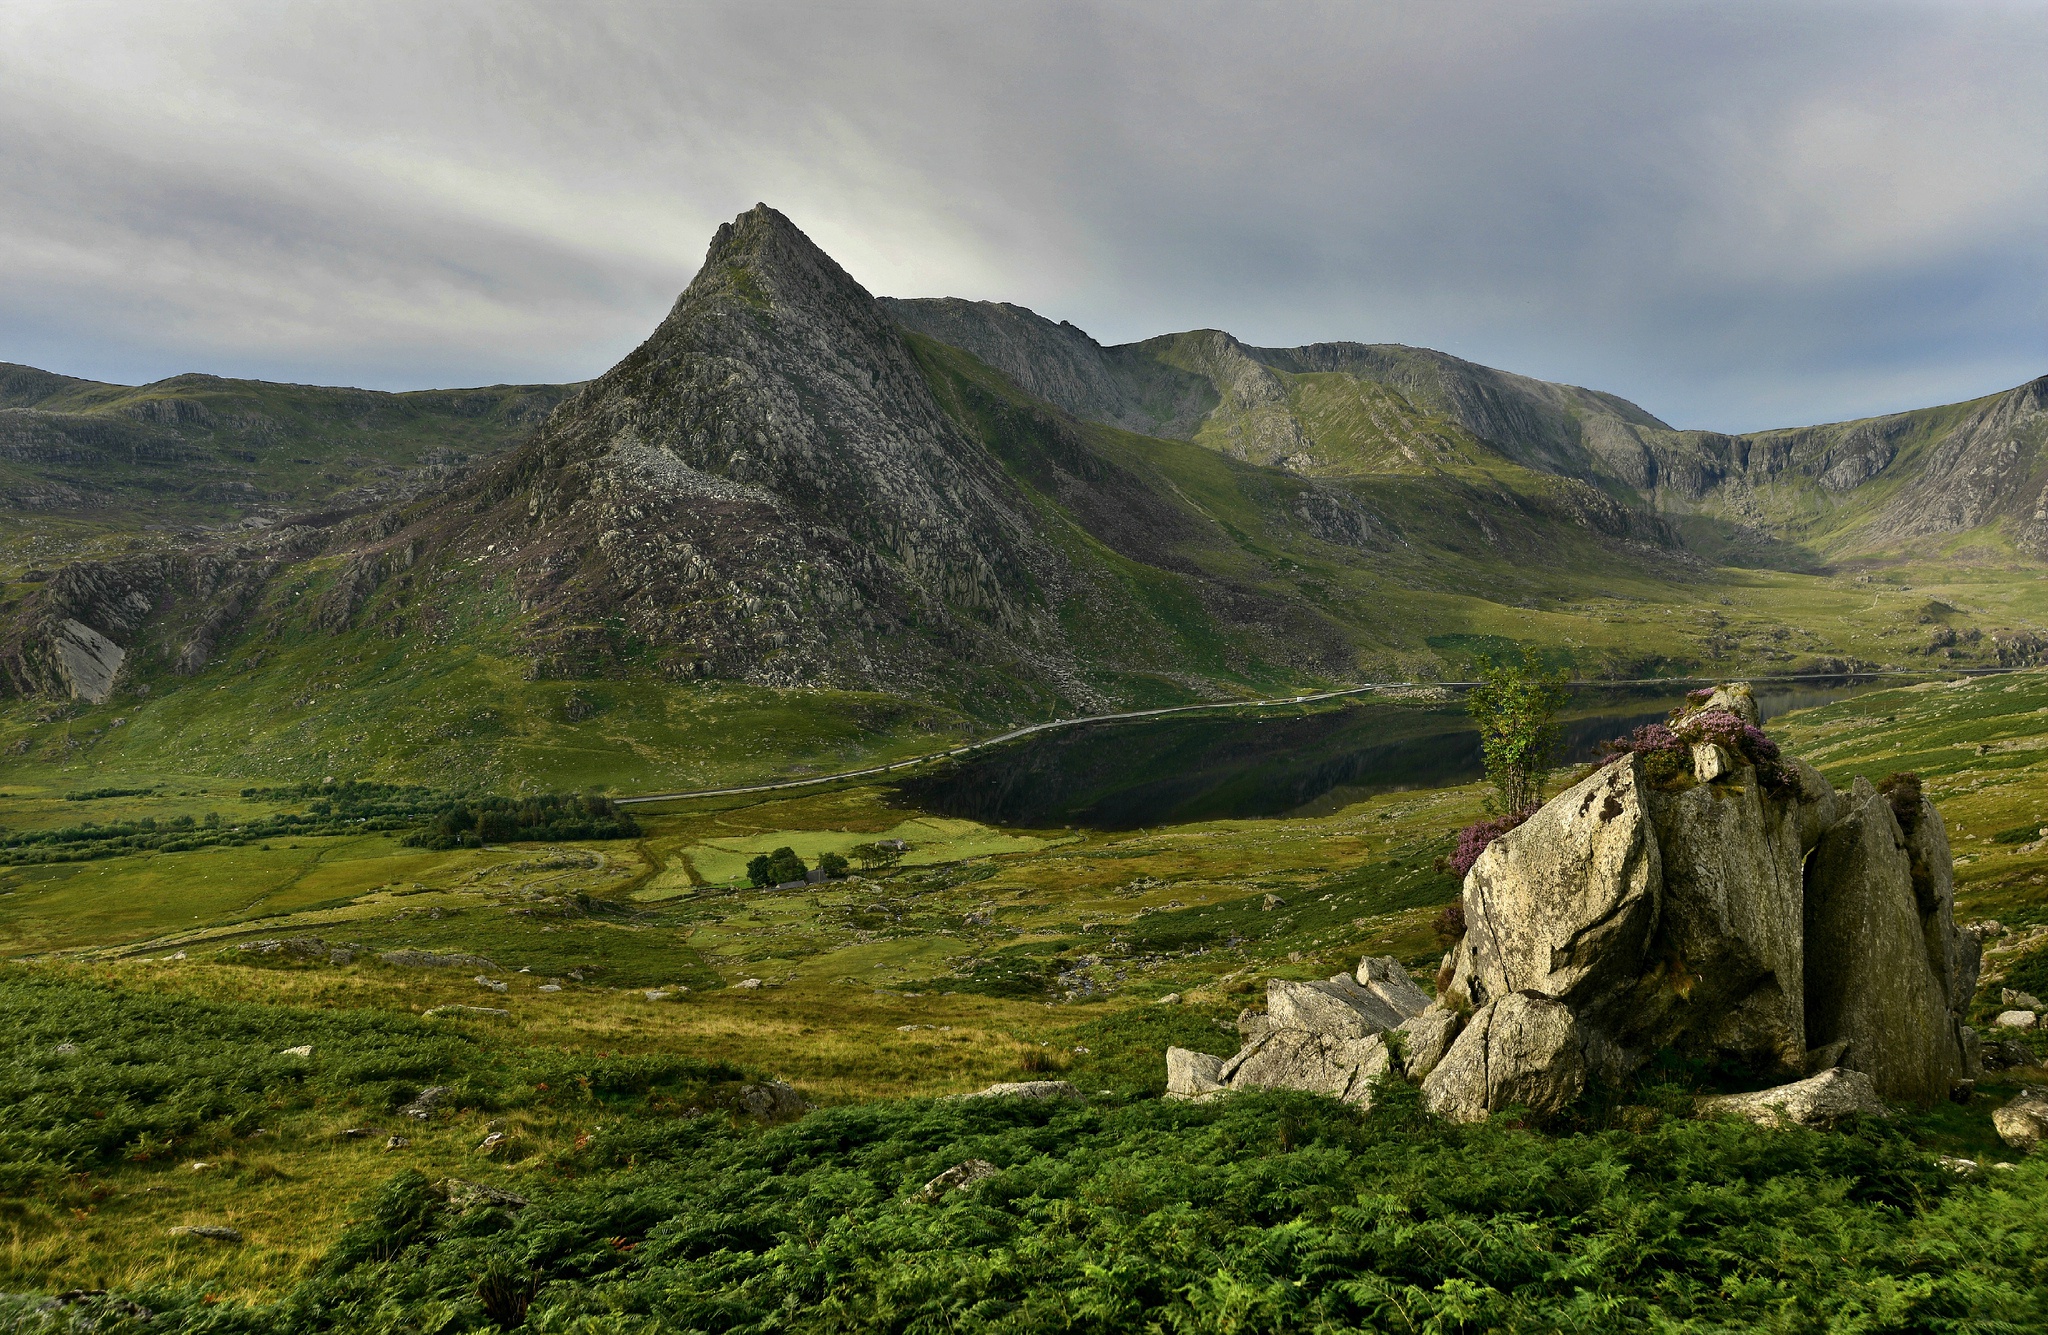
x: 178, y: 979
x: 87, y: 467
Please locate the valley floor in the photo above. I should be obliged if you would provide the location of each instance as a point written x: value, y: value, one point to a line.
x: 640, y: 987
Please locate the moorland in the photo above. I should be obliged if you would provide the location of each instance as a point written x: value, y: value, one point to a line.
x: 326, y: 710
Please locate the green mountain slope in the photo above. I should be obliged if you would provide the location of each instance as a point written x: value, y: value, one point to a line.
x: 1966, y: 481
x: 80, y: 460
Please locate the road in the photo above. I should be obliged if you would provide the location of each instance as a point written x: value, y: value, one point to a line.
x: 1088, y: 719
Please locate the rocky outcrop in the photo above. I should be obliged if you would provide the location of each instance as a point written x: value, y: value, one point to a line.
x: 1564, y: 904
x: 1705, y: 895
x: 1340, y: 1066
x: 1425, y: 1038
x: 1329, y: 1037
x: 1701, y: 895
x: 87, y: 661
x: 1340, y: 1008
x: 1879, y: 975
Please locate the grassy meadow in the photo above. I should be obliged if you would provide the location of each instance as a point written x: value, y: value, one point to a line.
x: 154, y: 997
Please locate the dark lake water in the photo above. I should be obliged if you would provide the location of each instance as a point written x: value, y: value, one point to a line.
x: 1232, y: 765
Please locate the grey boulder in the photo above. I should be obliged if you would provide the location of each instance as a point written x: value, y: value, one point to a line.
x: 960, y: 1177
x: 1820, y: 1100
x: 1523, y: 1050
x: 1731, y: 928
x: 772, y: 1101
x: 2023, y: 1123
x: 1564, y: 903
x: 1026, y: 1089
x: 1192, y: 1074
x: 1877, y: 974
x: 1387, y: 978
x: 1338, y: 1008
x: 1342, y: 1068
x: 474, y: 1195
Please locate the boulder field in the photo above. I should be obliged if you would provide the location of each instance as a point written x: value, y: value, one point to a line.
x: 1699, y: 896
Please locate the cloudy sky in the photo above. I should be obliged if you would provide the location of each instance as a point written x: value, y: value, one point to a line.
x: 1739, y: 215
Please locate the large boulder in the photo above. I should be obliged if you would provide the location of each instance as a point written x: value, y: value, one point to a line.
x: 1956, y: 954
x: 1190, y: 1075
x: 1870, y: 975
x: 1565, y: 903
x: 1338, y: 1007
x: 1731, y: 940
x: 1343, y: 1068
x: 1523, y: 1050
x: 1820, y: 1100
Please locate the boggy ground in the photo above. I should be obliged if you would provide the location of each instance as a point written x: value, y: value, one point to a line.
x: 991, y: 954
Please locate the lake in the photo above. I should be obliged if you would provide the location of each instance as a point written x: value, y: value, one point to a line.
x: 1282, y: 761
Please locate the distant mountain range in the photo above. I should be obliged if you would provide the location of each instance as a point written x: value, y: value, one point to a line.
x: 793, y: 485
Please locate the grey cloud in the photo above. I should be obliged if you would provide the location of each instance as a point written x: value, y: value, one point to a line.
x: 1737, y: 215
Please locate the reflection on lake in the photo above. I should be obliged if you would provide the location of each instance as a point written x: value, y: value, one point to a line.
x: 1230, y: 765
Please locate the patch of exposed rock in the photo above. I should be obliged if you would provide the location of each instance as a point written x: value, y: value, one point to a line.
x: 1714, y: 901
x: 1742, y: 914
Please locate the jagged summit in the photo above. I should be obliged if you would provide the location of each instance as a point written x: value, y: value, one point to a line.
x: 767, y: 488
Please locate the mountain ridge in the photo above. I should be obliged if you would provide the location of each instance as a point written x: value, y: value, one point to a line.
x: 1991, y: 467
x: 791, y: 503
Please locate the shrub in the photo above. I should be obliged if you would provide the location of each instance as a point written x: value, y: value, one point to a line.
x: 1902, y: 789
x: 1474, y: 838
x: 1268, y: 1211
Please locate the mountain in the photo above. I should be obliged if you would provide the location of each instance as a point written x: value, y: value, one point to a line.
x: 803, y: 525
x: 1875, y: 487
x: 196, y: 451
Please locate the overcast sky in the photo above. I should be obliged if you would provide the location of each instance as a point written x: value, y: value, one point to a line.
x: 1737, y: 215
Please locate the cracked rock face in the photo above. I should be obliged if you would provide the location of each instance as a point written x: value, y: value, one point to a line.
x: 1343, y: 1068
x: 1426, y: 1038
x: 87, y: 660
x: 1523, y: 1050
x: 1564, y: 904
x: 1340, y: 1008
x: 1876, y: 962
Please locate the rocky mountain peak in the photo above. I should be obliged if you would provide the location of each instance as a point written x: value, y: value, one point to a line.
x: 768, y: 462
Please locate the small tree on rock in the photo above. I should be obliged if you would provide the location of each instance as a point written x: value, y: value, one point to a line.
x: 1516, y: 707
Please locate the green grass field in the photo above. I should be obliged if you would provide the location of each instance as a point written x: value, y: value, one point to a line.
x: 991, y: 954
